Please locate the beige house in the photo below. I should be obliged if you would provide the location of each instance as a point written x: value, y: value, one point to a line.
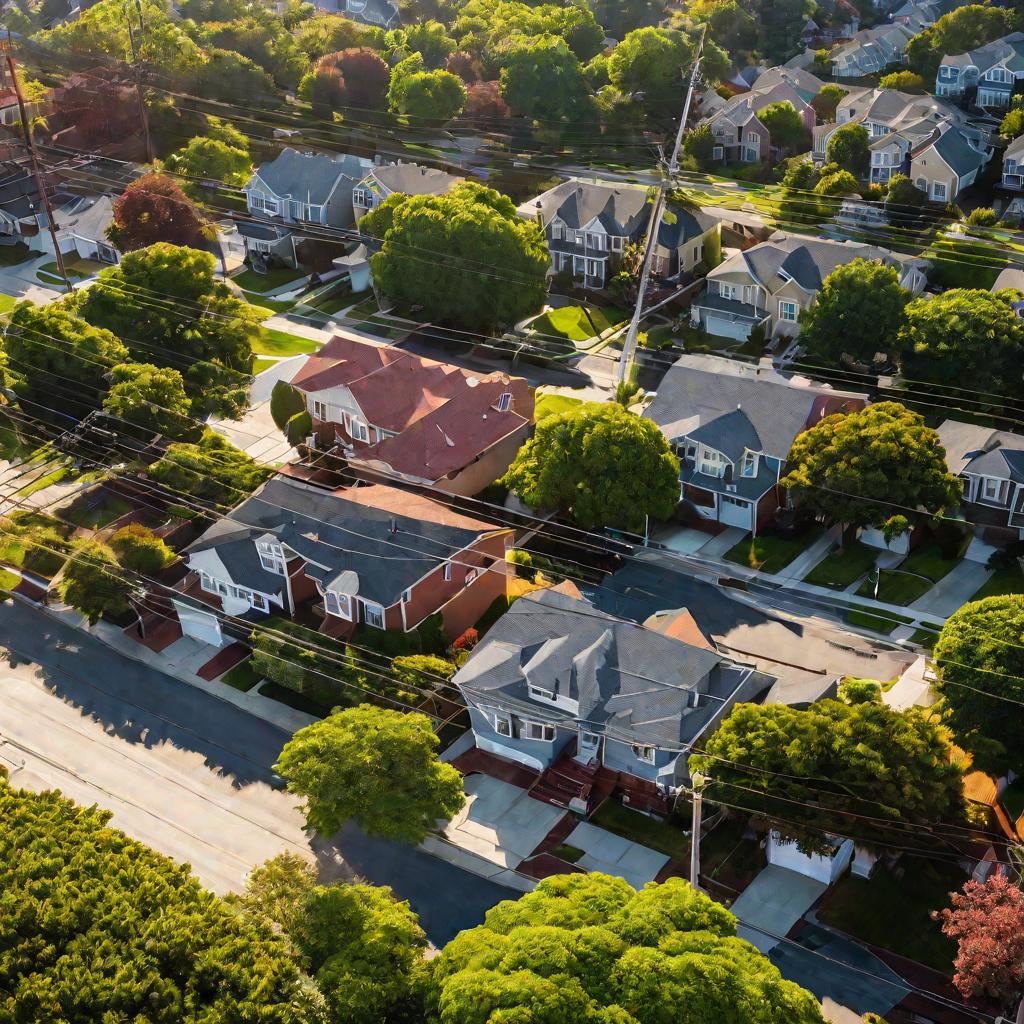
x: 770, y: 285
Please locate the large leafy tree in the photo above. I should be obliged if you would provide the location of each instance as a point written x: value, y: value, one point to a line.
x: 729, y: 24
x: 212, y: 470
x: 425, y: 95
x: 827, y: 100
x: 153, y: 398
x: 868, y: 468
x: 779, y: 23
x: 785, y: 126
x: 152, y: 209
x: 589, y: 948
x: 375, y: 766
x: 848, y: 147
x: 92, y: 581
x: 987, y: 922
x: 465, y: 257
x: 357, y: 77
x: 858, y: 313
x: 957, y: 32
x: 541, y: 79
x: 232, y: 78
x: 980, y: 654
x: 965, y: 336
x: 488, y: 27
x: 99, y: 927
x: 862, y: 770
x: 262, y: 37
x: 205, y: 159
x: 330, y: 33
x: 601, y: 463
x: 170, y: 309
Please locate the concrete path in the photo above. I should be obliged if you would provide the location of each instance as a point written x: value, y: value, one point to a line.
x: 612, y: 855
x: 773, y: 903
x: 283, y: 369
x: 956, y: 588
x: 913, y: 689
x: 811, y: 556
x: 256, y: 434
x: 978, y: 551
x: 718, y: 545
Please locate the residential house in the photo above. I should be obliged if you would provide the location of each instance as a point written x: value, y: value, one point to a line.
x: 990, y: 463
x: 373, y: 556
x: 945, y: 164
x: 588, y: 226
x: 770, y: 284
x: 81, y: 224
x: 918, y: 15
x: 871, y: 51
x: 381, y: 180
x: 987, y: 76
x: 382, y: 13
x: 399, y: 414
x: 295, y: 191
x: 596, y: 703
x: 21, y: 214
x: 1012, y: 178
x: 732, y: 425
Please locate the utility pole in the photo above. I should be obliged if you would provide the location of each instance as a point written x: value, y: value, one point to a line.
x: 654, y: 225
x: 699, y: 782
x: 44, y: 195
x: 143, y: 114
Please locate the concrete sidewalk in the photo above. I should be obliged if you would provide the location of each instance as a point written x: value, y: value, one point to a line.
x: 955, y: 589
x: 811, y: 556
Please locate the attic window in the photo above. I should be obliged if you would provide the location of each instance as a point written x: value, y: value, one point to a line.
x: 504, y: 401
x: 785, y: 275
x: 541, y: 693
x: 643, y: 753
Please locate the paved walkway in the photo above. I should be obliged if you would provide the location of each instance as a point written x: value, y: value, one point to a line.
x: 811, y: 556
x: 956, y: 588
x: 613, y: 855
x: 718, y: 545
x: 913, y: 689
x: 773, y: 903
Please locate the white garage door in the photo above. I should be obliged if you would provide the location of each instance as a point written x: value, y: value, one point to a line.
x: 199, y: 625
x: 726, y: 328
x: 735, y: 512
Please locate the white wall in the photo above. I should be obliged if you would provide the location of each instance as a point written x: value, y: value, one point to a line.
x: 823, y: 869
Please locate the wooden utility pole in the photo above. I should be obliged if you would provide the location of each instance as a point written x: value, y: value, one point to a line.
x: 143, y: 113
x: 654, y: 225
x: 699, y: 782
x: 44, y: 195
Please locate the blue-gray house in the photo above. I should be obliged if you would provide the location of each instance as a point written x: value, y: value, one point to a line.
x: 597, y: 703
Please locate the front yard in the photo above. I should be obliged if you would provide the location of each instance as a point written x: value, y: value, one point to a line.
x: 663, y: 836
x: 552, y: 405
x: 272, y: 342
x: 843, y: 568
x: 1002, y: 581
x: 278, y: 277
x: 578, y: 323
x: 912, y: 578
x: 770, y: 554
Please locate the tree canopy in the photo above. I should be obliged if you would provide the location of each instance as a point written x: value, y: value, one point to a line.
x: 961, y: 30
x: 487, y: 27
x: 980, y: 655
x: 92, y: 581
x: 211, y: 159
x: 357, y: 77
x: 904, y: 81
x: 858, y: 313
x: 212, y: 470
x: 868, y: 467
x: 589, y: 949
x: 785, y: 126
x: 100, y: 927
x: 152, y: 397
x: 373, y: 765
x: 541, y: 79
x: 860, y: 770
x: 425, y: 95
x: 154, y: 208
x: 466, y: 257
x: 601, y: 463
x: 848, y: 147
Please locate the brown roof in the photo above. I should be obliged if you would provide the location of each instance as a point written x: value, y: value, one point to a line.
x: 413, y: 506
x: 680, y: 625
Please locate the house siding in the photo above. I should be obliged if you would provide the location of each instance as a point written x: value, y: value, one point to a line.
x: 619, y: 757
x: 534, y: 753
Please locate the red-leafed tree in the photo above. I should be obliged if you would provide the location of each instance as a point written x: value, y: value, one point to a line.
x: 154, y: 209
x: 98, y: 111
x: 987, y: 921
x: 356, y: 78
x: 484, y: 102
x: 465, y: 65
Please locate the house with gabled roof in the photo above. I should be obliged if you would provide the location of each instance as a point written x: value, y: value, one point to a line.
x: 946, y: 163
x: 395, y: 413
x: 382, y: 180
x: 588, y: 225
x: 732, y: 426
x: 990, y: 463
x: 987, y: 75
x: 595, y: 703
x: 870, y: 51
x: 377, y: 556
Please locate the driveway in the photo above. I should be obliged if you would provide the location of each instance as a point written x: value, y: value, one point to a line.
x: 613, y: 855
x: 773, y: 903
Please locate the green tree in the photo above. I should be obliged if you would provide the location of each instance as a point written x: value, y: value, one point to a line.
x: 375, y: 766
x: 542, y: 79
x: 425, y: 95
x: 700, y: 144
x: 261, y: 36
x: 285, y: 402
x: 590, y: 948
x: 329, y: 33
x: 92, y: 581
x: 961, y: 30
x: 430, y: 39
x: 836, y: 183
x: 863, y: 468
x: 140, y: 550
x: 1012, y: 124
x: 797, y: 205
x: 835, y: 768
x: 964, y: 335
x: 488, y: 28
x: 620, y: 19
x: 205, y: 159
x: 858, y: 313
x: 138, y: 938
x: 983, y: 216
x: 779, y: 24
x: 606, y: 466
x: 212, y: 469
x: 848, y: 147
x: 981, y: 668
x: 229, y: 77
x: 827, y: 100
x: 904, y: 81
x: 650, y: 60
x: 152, y: 397
x: 785, y: 126
x: 729, y: 24
x: 441, y: 252
x: 903, y: 199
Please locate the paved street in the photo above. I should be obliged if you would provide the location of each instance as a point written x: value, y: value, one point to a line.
x: 185, y: 771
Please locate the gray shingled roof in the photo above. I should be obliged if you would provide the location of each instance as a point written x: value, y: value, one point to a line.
x: 309, y: 177
x: 954, y: 149
x: 807, y: 260
x: 983, y: 451
x: 415, y: 180
x: 632, y: 683
x: 984, y: 57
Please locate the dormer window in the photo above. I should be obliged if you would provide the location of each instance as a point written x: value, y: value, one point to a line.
x: 504, y: 401
x: 748, y: 467
x: 271, y: 558
x: 540, y: 693
x: 643, y: 753
x: 338, y: 605
x: 711, y: 463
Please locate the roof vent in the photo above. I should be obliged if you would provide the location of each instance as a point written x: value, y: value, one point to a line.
x: 471, y: 382
x: 393, y: 525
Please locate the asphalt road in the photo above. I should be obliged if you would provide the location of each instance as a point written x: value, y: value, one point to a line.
x: 186, y: 772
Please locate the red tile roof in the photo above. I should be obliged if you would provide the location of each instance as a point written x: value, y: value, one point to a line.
x: 416, y: 506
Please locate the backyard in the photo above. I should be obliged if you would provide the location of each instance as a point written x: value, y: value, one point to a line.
x: 577, y: 323
x: 770, y: 554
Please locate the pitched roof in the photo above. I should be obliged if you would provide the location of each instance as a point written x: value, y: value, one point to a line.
x: 734, y: 405
x: 632, y: 683
x: 1008, y: 50
x: 310, y: 177
x: 982, y: 451
x: 955, y: 150
x: 414, y: 179
x: 388, y: 538
x: 807, y: 85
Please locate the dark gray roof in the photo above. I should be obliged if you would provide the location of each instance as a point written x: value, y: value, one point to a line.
x: 309, y: 177
x: 388, y: 551
x: 19, y: 197
x: 955, y: 150
x: 415, y: 180
x: 706, y: 394
x: 631, y: 683
x: 733, y: 483
x: 808, y: 261
x: 982, y: 451
x: 261, y: 230
x: 1008, y: 49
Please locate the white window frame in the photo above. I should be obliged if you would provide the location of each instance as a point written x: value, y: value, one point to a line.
x: 936, y: 185
x: 994, y: 490
x: 726, y: 290
x: 362, y: 197
x: 540, y: 693
x: 338, y: 605
x: 748, y: 467
x: 358, y: 430
x: 258, y: 601
x: 319, y: 409
x: 272, y: 559
x: 711, y: 462
x: 644, y: 752
x: 717, y: 152
x: 785, y: 305
x: 447, y: 572
x: 593, y: 268
x: 545, y: 732
x: 617, y: 241
x: 504, y: 401
x: 499, y: 721
x: 373, y: 614
x: 556, y: 232
x: 407, y: 595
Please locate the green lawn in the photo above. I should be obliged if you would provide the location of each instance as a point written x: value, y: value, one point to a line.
x: 658, y: 835
x: 570, y: 854
x: 551, y: 405
x: 842, y: 568
x: 658, y: 337
x: 270, y: 306
x: 1002, y: 581
x: 12, y: 255
x: 894, y: 913
x: 294, y: 700
x: 53, y: 270
x: 242, y: 677
x: 7, y: 302
x: 95, y: 517
x: 912, y: 578
x: 8, y: 580
x: 880, y: 622
x: 770, y: 554
x: 272, y: 342
x: 259, y: 365
x: 926, y: 634
x: 250, y: 281
x: 364, y: 308
x: 574, y: 323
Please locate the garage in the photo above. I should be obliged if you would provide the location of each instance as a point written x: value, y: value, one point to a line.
x: 735, y: 512
x: 199, y: 625
x: 725, y: 327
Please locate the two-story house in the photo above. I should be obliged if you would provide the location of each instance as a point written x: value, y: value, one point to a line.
x: 988, y: 76
x: 588, y: 225
x: 382, y: 180
x: 990, y: 464
x: 770, y: 284
x: 596, y: 703
x: 297, y: 190
x: 1012, y: 178
x: 374, y: 555
x: 946, y: 163
x: 402, y: 415
x: 732, y: 426
x: 871, y: 51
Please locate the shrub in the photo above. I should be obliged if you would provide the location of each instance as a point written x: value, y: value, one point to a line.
x: 983, y: 216
x: 299, y: 427
x: 140, y: 550
x: 181, y: 512
x: 522, y: 560
x: 860, y: 691
x: 467, y: 641
x: 285, y: 402
x: 420, y: 670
